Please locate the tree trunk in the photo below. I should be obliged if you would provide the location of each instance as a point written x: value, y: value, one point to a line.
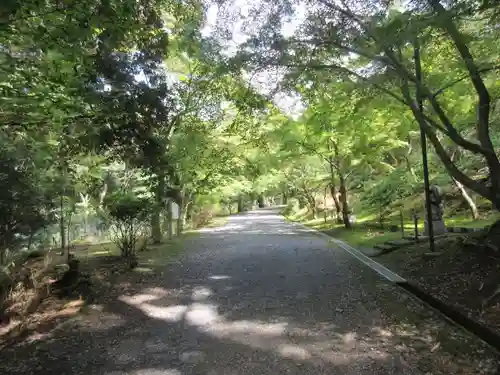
x: 164, y: 222
x: 182, y: 218
x: 181, y: 214
x: 169, y: 219
x: 155, y: 221
x: 156, y: 233
x: 343, y: 201
x: 260, y: 200
x: 102, y: 195
x: 188, y: 208
x: 66, y: 251
x: 62, y: 231
x: 30, y: 239
x: 302, y: 201
x: 468, y: 199
x: 409, y: 167
x: 333, y: 188
x: 240, y: 204
x: 335, y: 197
x: 284, y: 197
x: 180, y: 227
x: 86, y: 223
x: 3, y: 250
x: 309, y: 200
x: 325, y: 211
x: 312, y: 205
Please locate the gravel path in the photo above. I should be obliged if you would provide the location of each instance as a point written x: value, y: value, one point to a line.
x: 257, y: 296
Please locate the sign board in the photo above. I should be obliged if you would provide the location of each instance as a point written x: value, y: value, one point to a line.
x: 175, y: 210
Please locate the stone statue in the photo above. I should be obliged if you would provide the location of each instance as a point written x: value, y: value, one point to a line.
x: 436, y: 202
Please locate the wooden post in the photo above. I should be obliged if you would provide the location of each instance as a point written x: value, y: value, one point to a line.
x: 402, y: 223
x: 415, y: 223
x: 381, y: 220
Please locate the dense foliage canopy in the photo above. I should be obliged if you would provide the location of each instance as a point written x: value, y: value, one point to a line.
x: 108, y: 98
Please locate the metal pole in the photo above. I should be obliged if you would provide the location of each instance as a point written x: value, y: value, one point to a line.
x: 423, y: 142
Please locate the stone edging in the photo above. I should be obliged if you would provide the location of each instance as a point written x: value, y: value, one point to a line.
x: 451, y: 314
x: 466, y: 230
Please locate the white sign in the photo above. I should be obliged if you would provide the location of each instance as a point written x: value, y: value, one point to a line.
x: 175, y: 210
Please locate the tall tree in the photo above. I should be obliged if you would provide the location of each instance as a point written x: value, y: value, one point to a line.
x: 372, y: 43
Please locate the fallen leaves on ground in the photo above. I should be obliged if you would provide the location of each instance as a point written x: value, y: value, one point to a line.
x: 461, y: 276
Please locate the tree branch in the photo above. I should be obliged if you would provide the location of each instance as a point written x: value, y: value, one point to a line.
x: 442, y: 154
x: 346, y: 71
x: 406, y: 75
x: 483, y: 121
x: 464, y: 77
x: 312, y: 149
x: 452, y: 169
x: 448, y: 129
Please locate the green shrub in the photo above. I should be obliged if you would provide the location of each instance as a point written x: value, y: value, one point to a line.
x: 202, y: 217
x: 128, y: 215
x: 291, y: 208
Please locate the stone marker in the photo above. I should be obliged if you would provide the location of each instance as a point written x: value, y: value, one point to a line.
x: 436, y: 202
x: 352, y: 218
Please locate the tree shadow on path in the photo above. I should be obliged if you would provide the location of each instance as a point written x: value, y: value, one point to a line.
x: 296, y: 309
x: 140, y: 328
x: 126, y: 335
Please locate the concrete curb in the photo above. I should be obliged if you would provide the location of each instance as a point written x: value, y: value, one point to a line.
x: 377, y: 267
x: 466, y: 230
x: 447, y: 312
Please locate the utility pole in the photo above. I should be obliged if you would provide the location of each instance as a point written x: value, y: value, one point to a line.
x: 423, y: 143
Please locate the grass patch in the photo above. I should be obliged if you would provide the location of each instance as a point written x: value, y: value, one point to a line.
x: 153, y: 254
x: 96, y: 250
x: 461, y: 219
x: 165, y: 253
x: 466, y: 222
x: 161, y: 254
x: 358, y: 236
x: 367, y: 233
x: 170, y: 250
